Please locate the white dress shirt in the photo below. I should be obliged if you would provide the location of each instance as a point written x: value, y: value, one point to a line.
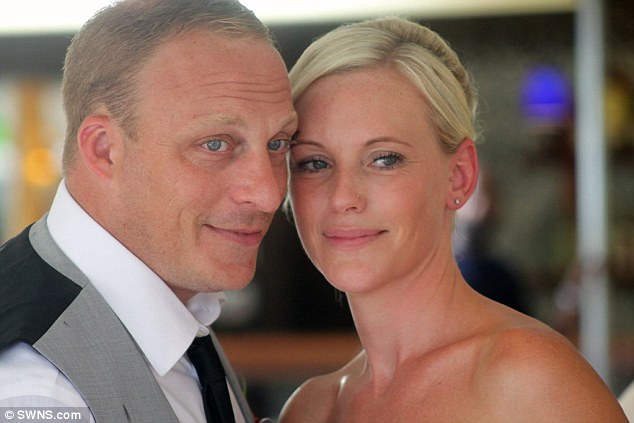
x: 161, y: 325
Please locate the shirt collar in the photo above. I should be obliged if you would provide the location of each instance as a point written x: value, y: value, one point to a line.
x: 159, y: 322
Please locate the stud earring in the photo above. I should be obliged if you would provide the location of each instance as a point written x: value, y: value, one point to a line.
x: 456, y: 201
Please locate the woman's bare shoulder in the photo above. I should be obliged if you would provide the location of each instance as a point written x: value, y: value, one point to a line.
x: 528, y: 363
x: 315, y: 399
x: 311, y: 402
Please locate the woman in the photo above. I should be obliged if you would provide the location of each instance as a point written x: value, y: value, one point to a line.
x: 383, y: 158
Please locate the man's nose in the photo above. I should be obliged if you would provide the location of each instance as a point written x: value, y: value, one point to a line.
x: 260, y: 182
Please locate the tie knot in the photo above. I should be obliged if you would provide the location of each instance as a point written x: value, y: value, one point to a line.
x: 200, y: 342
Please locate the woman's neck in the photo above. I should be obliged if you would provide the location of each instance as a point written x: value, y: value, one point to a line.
x: 406, y: 318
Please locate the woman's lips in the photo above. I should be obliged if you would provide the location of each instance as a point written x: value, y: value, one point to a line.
x: 352, y: 238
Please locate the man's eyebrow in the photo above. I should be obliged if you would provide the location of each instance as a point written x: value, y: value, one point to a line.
x: 219, y: 119
x: 231, y: 120
x: 225, y: 120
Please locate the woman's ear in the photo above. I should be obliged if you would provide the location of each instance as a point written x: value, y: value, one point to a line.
x: 463, y: 174
x: 97, y: 140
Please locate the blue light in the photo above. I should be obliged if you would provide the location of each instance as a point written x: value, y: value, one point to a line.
x: 546, y: 96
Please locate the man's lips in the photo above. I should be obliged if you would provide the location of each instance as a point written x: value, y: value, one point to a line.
x: 246, y: 237
x: 349, y: 238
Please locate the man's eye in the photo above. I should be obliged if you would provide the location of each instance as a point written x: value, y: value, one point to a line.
x: 279, y: 146
x: 216, y: 145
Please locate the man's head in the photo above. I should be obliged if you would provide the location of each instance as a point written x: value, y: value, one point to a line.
x: 104, y: 58
x: 185, y: 163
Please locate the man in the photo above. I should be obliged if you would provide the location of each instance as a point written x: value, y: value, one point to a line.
x: 179, y: 117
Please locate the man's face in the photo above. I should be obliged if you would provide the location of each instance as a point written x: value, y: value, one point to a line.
x: 197, y: 189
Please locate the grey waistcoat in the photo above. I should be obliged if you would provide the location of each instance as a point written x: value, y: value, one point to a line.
x: 48, y: 303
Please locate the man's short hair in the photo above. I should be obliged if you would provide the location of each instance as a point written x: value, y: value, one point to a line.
x: 106, y: 55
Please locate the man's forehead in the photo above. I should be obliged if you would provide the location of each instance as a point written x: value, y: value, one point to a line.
x: 245, y: 69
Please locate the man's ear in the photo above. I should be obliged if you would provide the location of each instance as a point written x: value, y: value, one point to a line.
x: 98, y: 140
x: 463, y: 174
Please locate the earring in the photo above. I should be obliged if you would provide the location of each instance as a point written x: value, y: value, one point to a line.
x: 456, y: 201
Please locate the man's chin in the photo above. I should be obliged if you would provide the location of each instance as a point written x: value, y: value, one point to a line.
x: 236, y: 280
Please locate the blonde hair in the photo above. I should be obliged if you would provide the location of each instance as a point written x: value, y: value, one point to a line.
x: 417, y: 52
x: 104, y: 58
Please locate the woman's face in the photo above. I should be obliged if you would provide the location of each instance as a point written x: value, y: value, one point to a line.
x: 369, y: 182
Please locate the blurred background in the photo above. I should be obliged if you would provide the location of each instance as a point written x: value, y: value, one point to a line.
x: 552, y: 224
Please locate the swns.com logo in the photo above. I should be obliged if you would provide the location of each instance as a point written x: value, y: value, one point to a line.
x: 43, y: 414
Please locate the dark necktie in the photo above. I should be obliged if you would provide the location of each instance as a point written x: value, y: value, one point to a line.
x: 211, y: 374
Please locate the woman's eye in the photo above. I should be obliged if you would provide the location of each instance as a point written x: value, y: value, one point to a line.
x: 216, y: 145
x: 279, y: 146
x: 388, y: 160
x: 312, y: 165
